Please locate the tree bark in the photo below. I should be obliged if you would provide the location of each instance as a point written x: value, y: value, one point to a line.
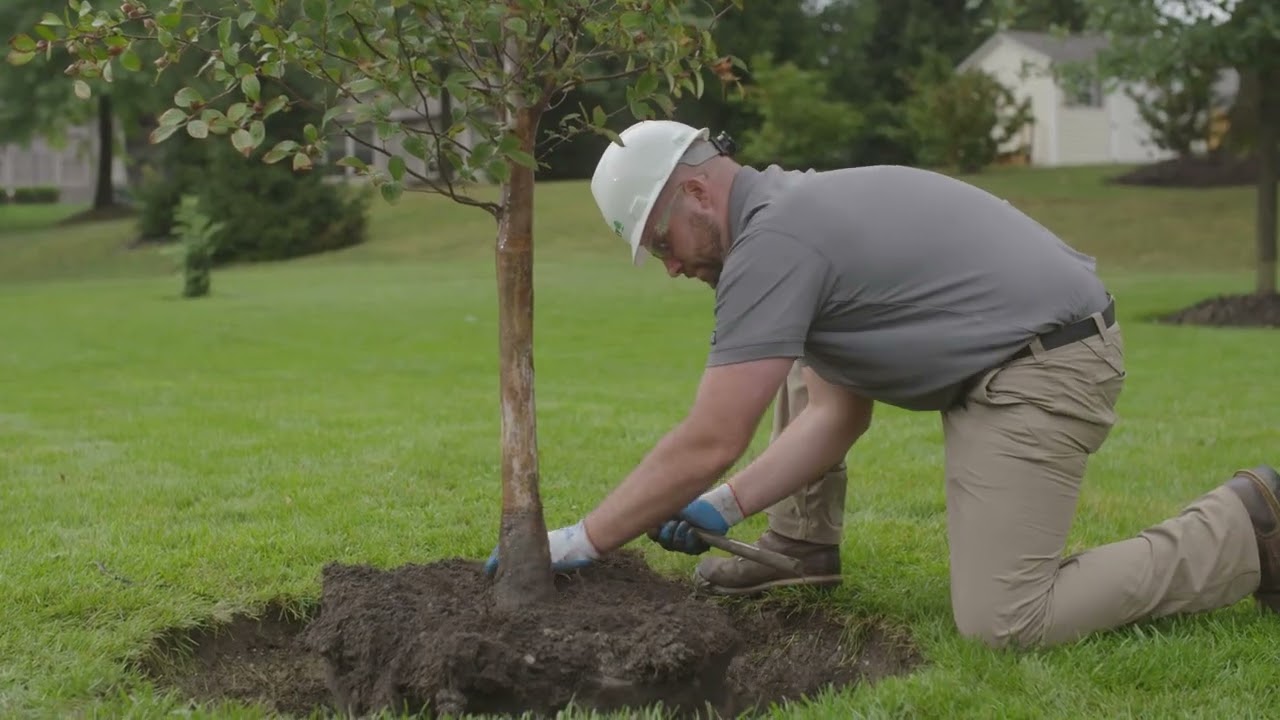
x: 104, y: 193
x: 1268, y: 140
x: 524, y: 569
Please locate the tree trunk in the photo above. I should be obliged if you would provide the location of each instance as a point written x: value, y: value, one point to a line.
x: 524, y: 569
x: 104, y: 193
x: 1268, y: 140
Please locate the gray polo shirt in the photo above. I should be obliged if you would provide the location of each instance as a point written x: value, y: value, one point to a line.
x: 896, y: 282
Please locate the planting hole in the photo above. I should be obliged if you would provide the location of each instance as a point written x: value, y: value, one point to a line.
x: 427, y: 639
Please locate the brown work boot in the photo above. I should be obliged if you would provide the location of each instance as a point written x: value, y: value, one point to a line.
x: 1259, y: 489
x: 738, y: 576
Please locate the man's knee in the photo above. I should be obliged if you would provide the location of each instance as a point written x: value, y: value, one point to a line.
x: 1002, y: 623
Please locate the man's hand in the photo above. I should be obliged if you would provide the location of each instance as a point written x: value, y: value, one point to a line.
x: 570, y: 549
x: 715, y: 512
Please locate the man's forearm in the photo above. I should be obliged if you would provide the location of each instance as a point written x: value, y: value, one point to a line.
x: 679, y: 468
x: 815, y: 441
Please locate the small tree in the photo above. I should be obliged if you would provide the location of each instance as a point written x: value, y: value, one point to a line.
x: 802, y: 125
x: 962, y: 120
x: 1177, y: 104
x: 197, y: 242
x: 387, y: 63
x: 1149, y: 38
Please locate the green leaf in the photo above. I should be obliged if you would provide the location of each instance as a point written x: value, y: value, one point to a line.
x: 301, y: 162
x: 224, y: 31
x: 598, y: 117
x: 352, y: 161
x: 315, y: 10
x: 186, y: 96
x: 269, y: 35
x: 246, y: 18
x: 278, y: 153
x: 258, y: 131
x: 330, y: 114
x: 395, y: 166
x: 481, y: 152
x: 265, y: 8
x: 251, y: 87
x: 517, y: 25
x: 391, y: 191
x: 237, y: 111
x: 499, y: 170
x: 130, y: 60
x: 275, y: 105
x: 647, y: 83
x: 22, y: 43
x: 523, y: 158
x: 172, y: 117
x: 169, y: 21
x: 632, y: 21
x: 198, y: 129
x: 162, y: 133
x: 50, y: 19
x: 242, y: 141
x: 19, y: 58
x: 416, y: 146
x: 82, y: 90
x: 310, y: 133
x: 363, y: 85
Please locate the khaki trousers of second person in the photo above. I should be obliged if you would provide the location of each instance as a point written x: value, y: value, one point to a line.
x: 1016, y: 449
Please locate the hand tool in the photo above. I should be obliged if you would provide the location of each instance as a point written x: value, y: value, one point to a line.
x: 751, y: 552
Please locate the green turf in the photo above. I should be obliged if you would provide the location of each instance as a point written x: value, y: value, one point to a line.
x: 165, y: 461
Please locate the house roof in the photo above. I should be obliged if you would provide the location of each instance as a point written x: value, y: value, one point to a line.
x: 1064, y: 49
x: 1071, y: 48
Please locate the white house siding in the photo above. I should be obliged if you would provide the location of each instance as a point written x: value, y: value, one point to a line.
x: 1084, y: 136
x: 1130, y: 136
x: 1023, y: 73
x: 70, y: 165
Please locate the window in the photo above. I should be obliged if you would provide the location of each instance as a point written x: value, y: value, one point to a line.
x: 1087, y: 93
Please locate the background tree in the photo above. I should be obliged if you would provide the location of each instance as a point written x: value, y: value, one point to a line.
x: 1177, y: 103
x: 508, y: 62
x: 960, y: 121
x: 802, y: 126
x: 1150, y: 38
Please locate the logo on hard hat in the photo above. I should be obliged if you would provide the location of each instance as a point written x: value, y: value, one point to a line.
x: 617, y: 227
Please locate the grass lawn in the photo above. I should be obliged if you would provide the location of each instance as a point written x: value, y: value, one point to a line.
x: 164, y: 461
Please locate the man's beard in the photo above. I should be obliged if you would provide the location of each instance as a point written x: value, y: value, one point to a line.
x: 710, y: 259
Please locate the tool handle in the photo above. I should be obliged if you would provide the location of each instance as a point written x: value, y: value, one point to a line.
x: 774, y: 560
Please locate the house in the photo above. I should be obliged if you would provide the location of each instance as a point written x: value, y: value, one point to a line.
x: 69, y: 165
x: 1070, y: 127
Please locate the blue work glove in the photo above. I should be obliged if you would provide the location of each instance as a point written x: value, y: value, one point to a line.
x: 570, y: 549
x: 714, y: 512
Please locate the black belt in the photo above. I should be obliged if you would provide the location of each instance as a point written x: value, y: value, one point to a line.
x: 1075, y: 332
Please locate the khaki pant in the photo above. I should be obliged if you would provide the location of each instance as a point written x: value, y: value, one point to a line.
x: 815, y: 513
x: 1016, y: 450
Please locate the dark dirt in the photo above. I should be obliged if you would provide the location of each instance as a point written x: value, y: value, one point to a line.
x: 1251, y: 310
x: 428, y: 639
x: 1213, y: 170
x: 110, y: 212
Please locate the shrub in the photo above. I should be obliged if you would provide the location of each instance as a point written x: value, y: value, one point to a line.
x: 963, y: 120
x: 197, y: 242
x: 267, y: 212
x: 37, y: 195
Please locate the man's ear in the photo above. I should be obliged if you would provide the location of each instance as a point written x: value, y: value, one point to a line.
x: 698, y: 188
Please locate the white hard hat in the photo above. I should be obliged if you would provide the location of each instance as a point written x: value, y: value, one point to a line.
x: 629, y: 177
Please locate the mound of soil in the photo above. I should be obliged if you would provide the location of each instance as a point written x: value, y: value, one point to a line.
x: 428, y: 639
x: 1214, y: 170
x: 1251, y: 310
